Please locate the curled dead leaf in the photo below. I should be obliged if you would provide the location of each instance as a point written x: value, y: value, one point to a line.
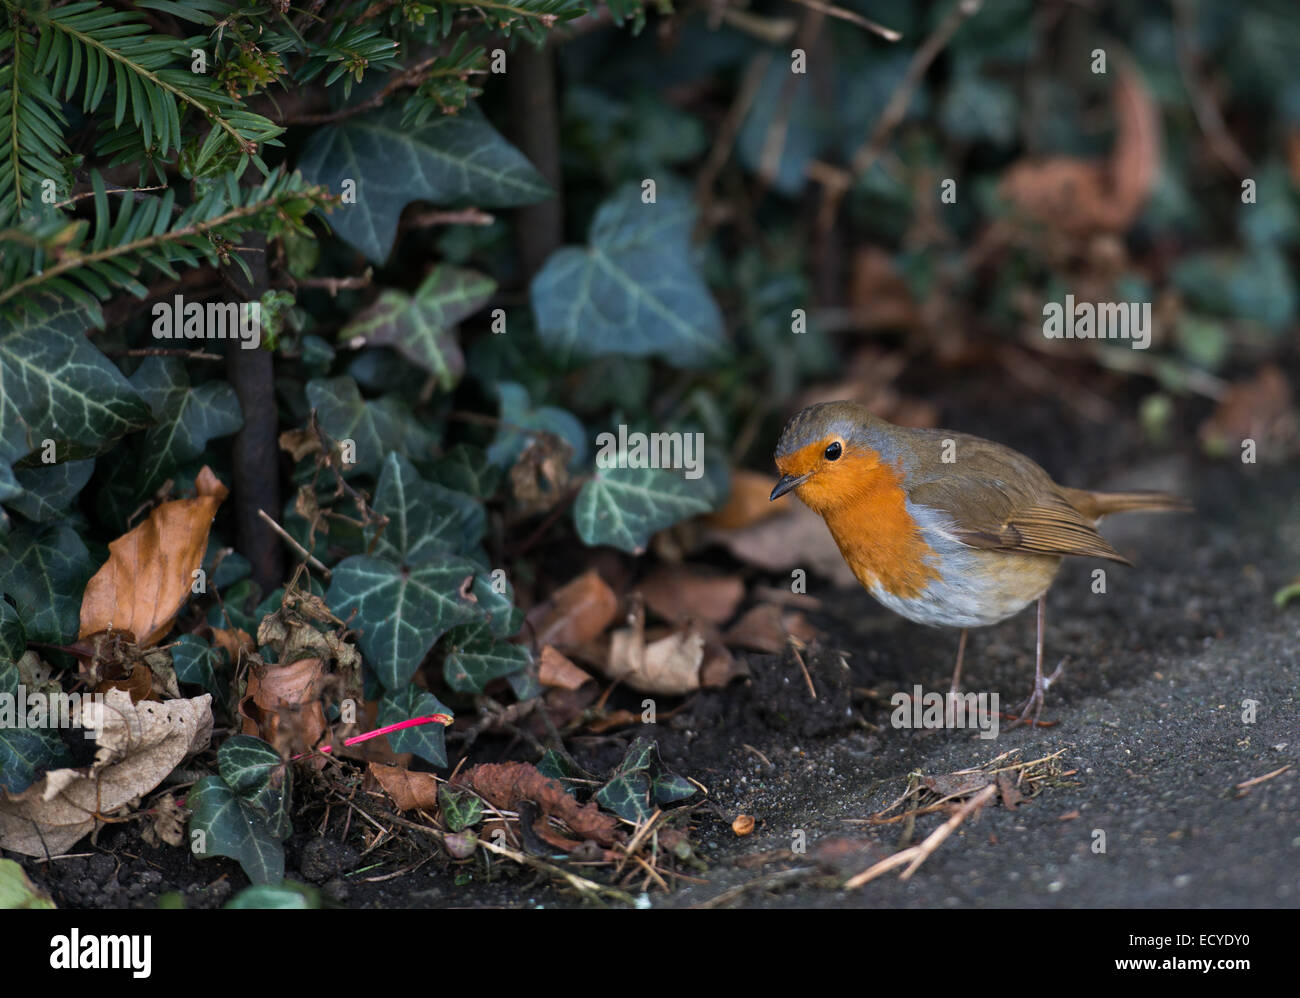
x: 678, y: 593
x: 147, y: 578
x: 577, y: 612
x: 556, y: 671
x: 138, y: 746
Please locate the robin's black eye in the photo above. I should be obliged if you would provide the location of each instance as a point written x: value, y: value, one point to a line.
x: 834, y: 451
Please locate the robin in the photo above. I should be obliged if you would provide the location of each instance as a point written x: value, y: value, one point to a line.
x: 945, y: 528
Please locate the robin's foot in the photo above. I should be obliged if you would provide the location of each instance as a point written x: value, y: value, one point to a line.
x: 1036, y: 699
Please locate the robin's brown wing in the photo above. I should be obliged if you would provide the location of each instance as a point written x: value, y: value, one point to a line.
x: 999, y: 499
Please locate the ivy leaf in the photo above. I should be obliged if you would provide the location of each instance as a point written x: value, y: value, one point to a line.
x: 55, y: 386
x: 423, y: 327
x: 633, y: 290
x: 44, y: 569
x: 375, y: 427
x: 402, y: 611
x: 279, y: 897
x: 519, y: 415
x: 48, y: 489
x: 194, y: 661
x: 424, y: 520
x: 475, y: 657
x: 234, y: 827
x: 428, y: 741
x: 641, y: 782
x: 452, y: 160
x: 186, y: 418
x: 623, y: 507
x: 459, y: 807
x: 256, y: 773
x: 466, y: 468
x: 24, y: 752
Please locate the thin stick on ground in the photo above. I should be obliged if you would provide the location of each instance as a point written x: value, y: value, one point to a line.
x: 311, y: 558
x: 918, y: 854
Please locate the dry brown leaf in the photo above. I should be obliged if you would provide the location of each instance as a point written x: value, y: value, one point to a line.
x: 1259, y: 409
x: 556, y: 671
x: 282, y: 705
x: 299, y: 442
x: 575, y: 613
x: 679, y: 593
x: 138, y: 684
x: 878, y: 295
x: 767, y: 628
x: 410, y: 791
x: 797, y: 539
x: 540, y: 476
x: 720, y: 667
x: 147, y: 578
x: 670, y: 665
x: 507, y: 785
x: 233, y: 641
x: 138, y: 746
x: 167, y: 824
x: 1082, y: 198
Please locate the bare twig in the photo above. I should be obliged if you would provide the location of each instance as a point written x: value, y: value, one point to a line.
x: 853, y: 17
x: 895, y: 110
x: 311, y: 558
x: 462, y: 216
x: 918, y: 854
x: 1207, y: 112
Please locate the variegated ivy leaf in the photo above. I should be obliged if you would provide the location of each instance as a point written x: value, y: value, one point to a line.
x: 634, y: 289
x: 428, y: 741
x: 424, y: 520
x: 375, y: 428
x: 422, y: 327
x: 186, y: 416
x: 44, y: 570
x: 25, y: 752
x: 236, y: 827
x: 475, y: 656
x: 466, y: 468
x: 48, y: 489
x: 401, y: 611
x: 452, y: 160
x: 55, y: 386
x: 623, y: 507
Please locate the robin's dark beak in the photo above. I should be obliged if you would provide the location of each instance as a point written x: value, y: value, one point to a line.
x: 786, y: 484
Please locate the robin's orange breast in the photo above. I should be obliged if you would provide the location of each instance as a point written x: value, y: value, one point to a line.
x: 906, y: 555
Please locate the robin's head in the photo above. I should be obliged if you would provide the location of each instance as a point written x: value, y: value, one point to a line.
x: 829, y: 454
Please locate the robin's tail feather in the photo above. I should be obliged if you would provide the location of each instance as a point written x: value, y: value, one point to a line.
x: 1095, y: 505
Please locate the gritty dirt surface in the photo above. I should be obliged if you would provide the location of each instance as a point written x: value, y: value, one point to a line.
x: 1149, y: 713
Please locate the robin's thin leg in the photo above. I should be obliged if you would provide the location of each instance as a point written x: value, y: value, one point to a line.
x: 1041, y: 683
x: 956, y: 672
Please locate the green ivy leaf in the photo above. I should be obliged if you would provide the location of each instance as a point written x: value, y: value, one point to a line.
x: 424, y: 520
x: 623, y: 507
x: 423, y: 327
x: 44, y: 569
x: 24, y: 752
x: 460, y: 808
x: 375, y: 427
x: 633, y: 290
x: 519, y: 415
x: 428, y: 741
x: 55, y: 386
x: 256, y: 773
x: 48, y: 489
x: 234, y: 827
x: 186, y: 418
x: 475, y: 657
x: 466, y: 468
x: 640, y: 782
x: 402, y: 612
x: 195, y: 662
x: 282, y: 896
x: 453, y: 160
